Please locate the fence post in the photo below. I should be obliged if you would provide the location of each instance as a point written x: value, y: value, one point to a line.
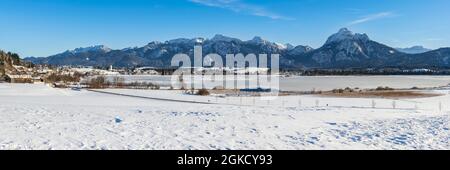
x: 374, y: 105
x: 317, y: 103
x: 300, y: 103
x: 394, y: 104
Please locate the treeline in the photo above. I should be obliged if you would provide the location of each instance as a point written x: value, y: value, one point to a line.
x: 64, y: 78
x: 101, y: 82
x: 7, y: 60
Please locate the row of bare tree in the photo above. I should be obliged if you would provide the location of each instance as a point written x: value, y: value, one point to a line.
x: 100, y: 82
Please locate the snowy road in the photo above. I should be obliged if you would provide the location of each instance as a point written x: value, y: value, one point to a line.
x: 39, y: 117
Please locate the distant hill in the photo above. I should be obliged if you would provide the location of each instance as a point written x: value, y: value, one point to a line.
x: 414, y: 50
x: 439, y: 58
x: 343, y: 49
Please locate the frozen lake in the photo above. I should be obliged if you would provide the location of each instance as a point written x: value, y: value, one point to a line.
x: 331, y: 82
x: 325, y: 83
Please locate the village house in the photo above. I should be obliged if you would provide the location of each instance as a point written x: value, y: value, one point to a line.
x: 18, y: 78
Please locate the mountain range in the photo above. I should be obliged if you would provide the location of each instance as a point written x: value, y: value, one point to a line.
x: 343, y: 49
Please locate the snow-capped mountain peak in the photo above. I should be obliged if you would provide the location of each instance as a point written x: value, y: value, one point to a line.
x: 258, y: 40
x: 281, y: 46
x: 344, y: 31
x: 300, y: 50
x: 100, y: 48
x: 346, y: 34
x: 199, y: 40
x: 151, y: 45
x: 289, y: 46
x: 220, y: 37
x: 154, y: 43
x: 186, y: 41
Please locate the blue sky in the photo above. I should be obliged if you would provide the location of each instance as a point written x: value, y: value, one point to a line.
x: 45, y: 27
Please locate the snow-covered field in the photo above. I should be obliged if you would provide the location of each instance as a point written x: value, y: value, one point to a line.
x: 40, y: 117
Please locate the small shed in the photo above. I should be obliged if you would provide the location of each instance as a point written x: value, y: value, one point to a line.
x: 19, y: 78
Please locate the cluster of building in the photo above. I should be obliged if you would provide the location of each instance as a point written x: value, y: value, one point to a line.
x: 41, y: 73
x: 21, y: 74
x: 206, y: 70
x: 89, y: 71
